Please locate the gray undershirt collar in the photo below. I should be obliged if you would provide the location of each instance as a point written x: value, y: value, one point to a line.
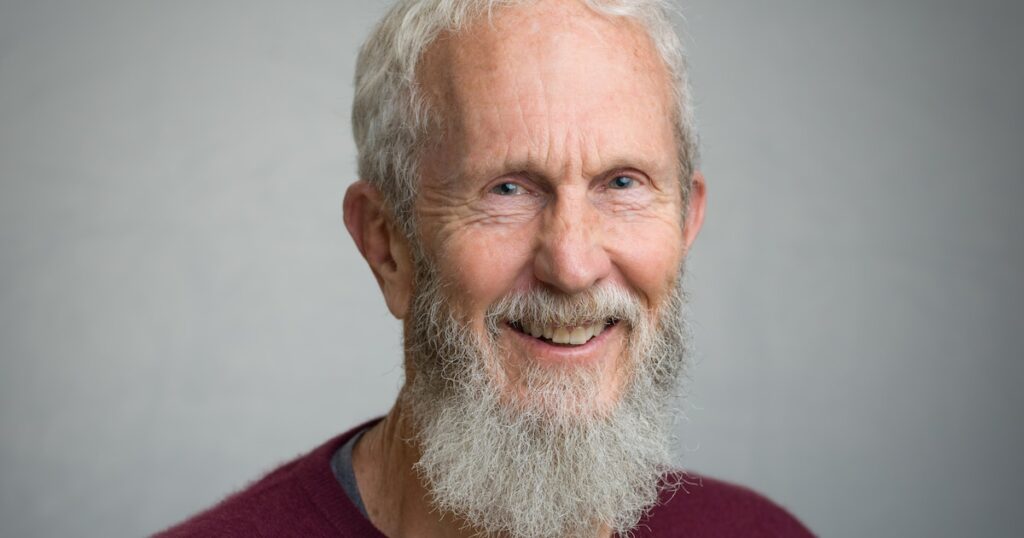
x: 345, y: 474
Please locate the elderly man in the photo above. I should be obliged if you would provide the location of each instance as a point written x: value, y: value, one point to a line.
x: 528, y: 196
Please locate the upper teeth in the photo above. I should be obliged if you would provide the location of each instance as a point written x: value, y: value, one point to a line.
x: 563, y: 335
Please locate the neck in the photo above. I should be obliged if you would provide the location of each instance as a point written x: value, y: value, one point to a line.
x: 396, y: 499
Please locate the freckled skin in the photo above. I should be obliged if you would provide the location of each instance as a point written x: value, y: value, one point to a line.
x: 545, y: 107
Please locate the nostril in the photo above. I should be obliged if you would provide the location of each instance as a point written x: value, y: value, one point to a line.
x: 572, y: 260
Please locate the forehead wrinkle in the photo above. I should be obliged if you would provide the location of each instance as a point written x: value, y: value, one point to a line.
x: 489, y: 57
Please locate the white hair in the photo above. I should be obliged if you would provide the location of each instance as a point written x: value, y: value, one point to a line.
x: 557, y: 461
x: 390, y: 117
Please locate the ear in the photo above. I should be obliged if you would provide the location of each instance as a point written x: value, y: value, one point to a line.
x: 695, y: 209
x: 383, y: 246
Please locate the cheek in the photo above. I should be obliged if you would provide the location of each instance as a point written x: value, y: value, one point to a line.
x: 648, y: 255
x: 485, y: 263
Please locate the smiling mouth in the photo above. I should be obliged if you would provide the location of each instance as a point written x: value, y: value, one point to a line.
x: 563, y: 336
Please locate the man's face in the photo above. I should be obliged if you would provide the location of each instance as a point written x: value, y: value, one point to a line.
x: 557, y: 171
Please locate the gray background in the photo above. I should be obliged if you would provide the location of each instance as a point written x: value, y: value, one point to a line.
x: 181, y: 309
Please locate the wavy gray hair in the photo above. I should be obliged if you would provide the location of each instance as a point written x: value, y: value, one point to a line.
x: 390, y: 117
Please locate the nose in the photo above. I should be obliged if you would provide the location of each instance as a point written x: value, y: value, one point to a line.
x: 571, y: 256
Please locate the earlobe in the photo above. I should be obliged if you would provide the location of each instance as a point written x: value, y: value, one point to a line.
x: 384, y: 248
x: 695, y: 209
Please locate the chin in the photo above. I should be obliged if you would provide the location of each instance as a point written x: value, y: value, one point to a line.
x: 558, y: 391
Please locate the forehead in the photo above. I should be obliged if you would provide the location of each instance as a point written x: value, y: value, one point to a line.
x: 550, y: 73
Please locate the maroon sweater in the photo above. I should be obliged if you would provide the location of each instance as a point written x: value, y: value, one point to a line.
x: 302, y: 498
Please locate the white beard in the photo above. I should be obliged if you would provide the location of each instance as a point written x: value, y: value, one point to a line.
x: 548, y: 464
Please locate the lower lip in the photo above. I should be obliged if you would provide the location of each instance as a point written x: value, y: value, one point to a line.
x: 566, y: 354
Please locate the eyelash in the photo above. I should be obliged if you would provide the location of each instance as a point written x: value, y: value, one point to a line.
x: 612, y: 184
x: 521, y: 190
x: 497, y: 189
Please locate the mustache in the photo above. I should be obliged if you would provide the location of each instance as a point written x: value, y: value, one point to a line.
x: 607, y: 303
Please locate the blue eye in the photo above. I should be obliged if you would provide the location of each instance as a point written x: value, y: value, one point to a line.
x: 508, y: 189
x: 622, y: 182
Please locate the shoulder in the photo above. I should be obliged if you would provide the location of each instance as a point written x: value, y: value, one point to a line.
x: 693, y: 505
x: 250, y: 511
x: 299, y: 498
